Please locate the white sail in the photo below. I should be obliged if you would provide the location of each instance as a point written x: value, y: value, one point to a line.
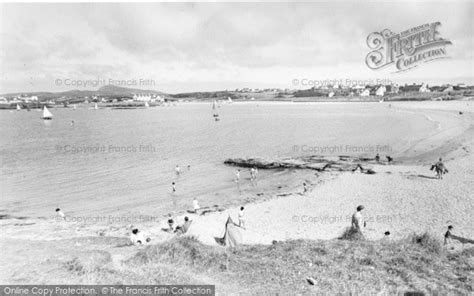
x: 18, y: 108
x: 147, y: 105
x: 96, y: 107
x: 46, y: 113
x: 74, y: 107
x: 214, y: 105
x: 229, y: 99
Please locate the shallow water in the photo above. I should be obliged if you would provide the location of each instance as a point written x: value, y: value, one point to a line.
x: 112, y: 161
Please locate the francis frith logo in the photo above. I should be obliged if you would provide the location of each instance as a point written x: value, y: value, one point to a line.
x: 407, y: 49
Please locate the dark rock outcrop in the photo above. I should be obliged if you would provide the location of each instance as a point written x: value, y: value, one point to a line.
x: 315, y: 162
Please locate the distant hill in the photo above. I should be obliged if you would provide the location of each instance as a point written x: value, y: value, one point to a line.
x: 117, y: 90
x: 107, y: 90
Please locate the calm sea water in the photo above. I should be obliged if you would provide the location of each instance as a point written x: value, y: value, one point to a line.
x: 124, y: 160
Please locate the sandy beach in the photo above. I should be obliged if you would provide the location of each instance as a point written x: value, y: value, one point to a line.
x: 402, y: 198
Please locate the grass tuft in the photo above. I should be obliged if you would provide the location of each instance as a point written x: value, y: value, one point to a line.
x: 428, y: 242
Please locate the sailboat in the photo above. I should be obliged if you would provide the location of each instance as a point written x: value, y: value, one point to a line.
x: 229, y: 100
x: 18, y: 108
x: 215, y: 115
x: 74, y: 107
x: 96, y: 107
x: 46, y: 114
x: 147, y: 105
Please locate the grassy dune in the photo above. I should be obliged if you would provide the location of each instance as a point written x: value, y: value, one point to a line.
x: 415, y: 264
x: 418, y: 263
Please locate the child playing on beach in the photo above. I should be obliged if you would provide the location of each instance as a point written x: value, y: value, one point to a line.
x: 241, y: 218
x: 60, y: 213
x: 447, y: 235
x: 137, y: 237
x: 178, y: 170
x: 185, y: 227
x: 237, y: 175
x: 196, y: 206
x: 170, y: 223
x: 358, y: 222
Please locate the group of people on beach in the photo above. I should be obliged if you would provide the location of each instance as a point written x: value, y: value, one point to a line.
x: 178, y: 173
x: 253, y: 175
x: 439, y: 168
x: 388, y: 157
x: 358, y: 223
x: 180, y: 229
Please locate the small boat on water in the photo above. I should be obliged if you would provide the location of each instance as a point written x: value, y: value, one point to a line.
x: 96, y: 106
x: 74, y: 107
x: 18, y: 108
x: 46, y: 114
x: 147, y: 105
x: 229, y: 100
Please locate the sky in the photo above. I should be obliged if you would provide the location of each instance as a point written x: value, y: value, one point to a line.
x: 184, y: 47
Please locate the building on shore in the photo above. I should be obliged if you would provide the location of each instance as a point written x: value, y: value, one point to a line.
x: 380, y: 91
x: 424, y: 88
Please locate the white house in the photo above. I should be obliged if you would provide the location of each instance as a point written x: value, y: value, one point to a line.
x: 30, y: 99
x: 380, y: 91
x: 142, y: 98
x: 365, y: 93
x: 159, y: 98
x: 449, y: 88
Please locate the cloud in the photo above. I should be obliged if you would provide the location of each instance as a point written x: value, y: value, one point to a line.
x: 183, y: 44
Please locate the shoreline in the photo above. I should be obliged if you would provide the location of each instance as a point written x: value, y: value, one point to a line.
x: 256, y: 203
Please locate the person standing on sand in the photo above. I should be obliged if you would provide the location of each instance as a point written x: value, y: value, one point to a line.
x: 60, y: 213
x: 241, y: 218
x: 177, y: 170
x: 196, y: 206
x: 440, y: 169
x: 447, y: 235
x: 237, y: 176
x: 170, y: 223
x: 173, y: 185
x: 305, y: 188
x: 252, y: 174
x: 183, y: 228
x: 377, y: 157
x: 358, y: 222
